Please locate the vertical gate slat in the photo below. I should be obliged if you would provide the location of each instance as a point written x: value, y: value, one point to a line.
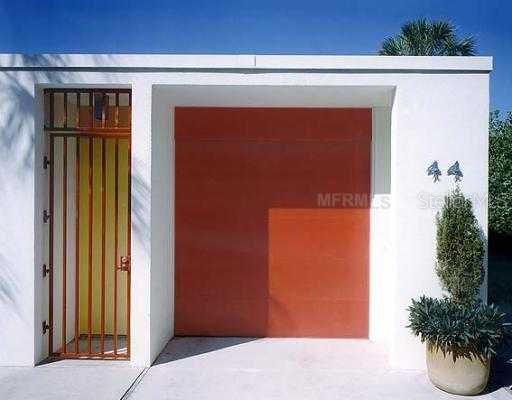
x: 128, y: 249
x: 91, y: 106
x: 77, y: 245
x: 103, y: 247
x: 129, y: 237
x: 77, y: 117
x: 116, y: 228
x: 65, y: 110
x: 117, y: 111
x: 77, y: 226
x: 50, y: 239
x: 104, y: 98
x: 64, y: 237
x: 89, y: 287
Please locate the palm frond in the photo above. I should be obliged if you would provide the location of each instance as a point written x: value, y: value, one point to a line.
x: 466, y: 47
x: 428, y: 38
x: 393, y: 47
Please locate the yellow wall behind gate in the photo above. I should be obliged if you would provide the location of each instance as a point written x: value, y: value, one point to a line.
x: 110, y: 262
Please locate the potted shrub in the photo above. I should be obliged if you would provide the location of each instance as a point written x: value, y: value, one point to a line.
x: 460, y: 341
x: 461, y: 333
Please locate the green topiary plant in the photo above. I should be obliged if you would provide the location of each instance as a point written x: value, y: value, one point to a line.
x: 460, y: 249
x: 461, y: 333
x: 471, y: 331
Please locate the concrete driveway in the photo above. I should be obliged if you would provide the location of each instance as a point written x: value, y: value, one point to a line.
x: 237, y: 368
x: 284, y: 369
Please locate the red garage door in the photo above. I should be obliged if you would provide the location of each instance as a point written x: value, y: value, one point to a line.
x: 272, y: 221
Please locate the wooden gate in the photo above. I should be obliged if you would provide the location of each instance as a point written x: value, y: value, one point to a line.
x: 88, y: 218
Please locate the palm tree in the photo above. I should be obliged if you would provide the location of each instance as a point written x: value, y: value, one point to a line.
x: 428, y: 38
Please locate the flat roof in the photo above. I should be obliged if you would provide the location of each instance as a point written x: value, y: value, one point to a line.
x: 245, y: 62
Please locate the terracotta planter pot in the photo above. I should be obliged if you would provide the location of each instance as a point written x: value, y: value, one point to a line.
x: 463, y: 376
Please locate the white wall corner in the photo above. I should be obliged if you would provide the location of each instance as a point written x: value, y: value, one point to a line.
x: 140, y: 329
x: 162, y: 216
x: 380, y: 219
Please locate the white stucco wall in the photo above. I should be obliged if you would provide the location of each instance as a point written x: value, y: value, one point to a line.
x: 443, y: 118
x: 17, y: 247
x: 425, y: 109
x: 381, y: 239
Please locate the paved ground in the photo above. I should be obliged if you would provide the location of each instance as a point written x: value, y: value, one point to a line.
x: 288, y: 369
x: 236, y: 368
x: 67, y: 380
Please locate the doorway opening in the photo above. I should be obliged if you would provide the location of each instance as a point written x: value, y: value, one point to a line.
x: 88, y: 133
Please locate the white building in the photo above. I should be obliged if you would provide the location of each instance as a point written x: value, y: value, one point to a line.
x: 240, y: 184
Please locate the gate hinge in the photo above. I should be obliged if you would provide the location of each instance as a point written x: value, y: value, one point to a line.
x: 46, y: 269
x: 46, y: 216
x: 46, y: 162
x: 45, y: 327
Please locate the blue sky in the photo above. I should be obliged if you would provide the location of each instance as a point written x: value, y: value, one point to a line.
x: 253, y: 27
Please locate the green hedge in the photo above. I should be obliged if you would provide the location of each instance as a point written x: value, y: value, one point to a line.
x: 500, y: 173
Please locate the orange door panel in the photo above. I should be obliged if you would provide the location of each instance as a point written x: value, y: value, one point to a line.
x: 258, y: 251
x: 317, y: 279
